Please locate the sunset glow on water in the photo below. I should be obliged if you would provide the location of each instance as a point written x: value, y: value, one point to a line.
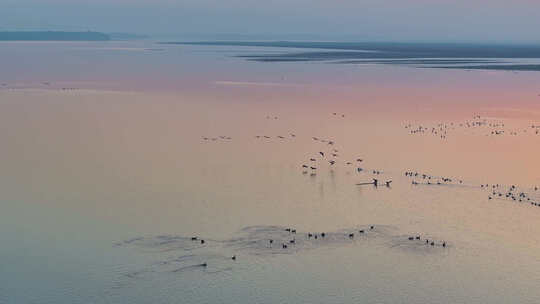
x: 114, y: 155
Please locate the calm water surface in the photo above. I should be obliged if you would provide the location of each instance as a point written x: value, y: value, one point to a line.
x: 105, y: 176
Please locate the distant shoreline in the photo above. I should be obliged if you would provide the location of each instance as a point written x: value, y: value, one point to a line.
x: 53, y: 36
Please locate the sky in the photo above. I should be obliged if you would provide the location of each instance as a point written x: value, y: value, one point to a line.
x: 360, y: 20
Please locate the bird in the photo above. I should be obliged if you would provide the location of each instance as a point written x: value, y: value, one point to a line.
x: 233, y: 257
x: 321, y: 153
x: 202, y: 241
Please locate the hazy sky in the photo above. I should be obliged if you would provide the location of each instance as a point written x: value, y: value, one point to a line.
x: 436, y: 20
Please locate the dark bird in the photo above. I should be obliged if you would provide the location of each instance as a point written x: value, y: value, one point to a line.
x: 233, y: 258
x: 202, y: 241
x: 194, y: 238
x: 321, y: 153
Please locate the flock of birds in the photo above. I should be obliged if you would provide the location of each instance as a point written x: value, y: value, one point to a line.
x: 293, y: 237
x: 329, y: 157
x: 511, y: 194
x: 428, y: 179
x: 489, y: 127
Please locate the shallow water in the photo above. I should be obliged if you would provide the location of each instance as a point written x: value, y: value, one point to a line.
x: 105, y: 176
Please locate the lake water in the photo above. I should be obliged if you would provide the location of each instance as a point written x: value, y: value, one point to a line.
x: 106, y: 175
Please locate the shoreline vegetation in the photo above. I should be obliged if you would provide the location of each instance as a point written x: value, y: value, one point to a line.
x: 53, y: 36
